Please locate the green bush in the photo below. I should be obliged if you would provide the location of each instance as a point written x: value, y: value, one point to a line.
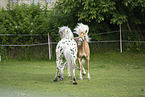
x: 23, y: 19
x: 34, y: 19
x: 26, y: 19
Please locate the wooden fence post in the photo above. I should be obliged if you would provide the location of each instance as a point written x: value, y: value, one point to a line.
x: 49, y: 47
x: 0, y: 57
x: 120, y: 40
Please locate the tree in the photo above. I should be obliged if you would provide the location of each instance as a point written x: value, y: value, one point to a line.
x: 128, y: 12
x: 90, y: 10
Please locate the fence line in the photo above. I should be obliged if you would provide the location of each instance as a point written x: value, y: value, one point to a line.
x: 89, y: 42
x: 105, y: 33
x: 32, y: 44
x: 49, y: 41
x: 22, y: 34
x: 104, y: 41
x: 54, y: 34
x: 133, y: 41
x: 47, y: 34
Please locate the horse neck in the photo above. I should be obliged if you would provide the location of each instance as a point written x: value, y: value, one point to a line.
x: 83, y: 46
x: 85, y: 42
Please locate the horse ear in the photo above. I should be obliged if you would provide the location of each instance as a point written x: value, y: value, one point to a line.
x: 58, y: 27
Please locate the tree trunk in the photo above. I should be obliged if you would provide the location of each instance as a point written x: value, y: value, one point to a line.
x: 140, y: 32
x: 129, y: 28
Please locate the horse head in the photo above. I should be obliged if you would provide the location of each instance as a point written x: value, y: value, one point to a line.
x: 81, y: 38
x: 65, y: 32
x: 82, y: 30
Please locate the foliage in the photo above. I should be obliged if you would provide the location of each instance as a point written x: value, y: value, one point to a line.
x: 100, y: 15
x: 3, y: 53
x: 100, y: 10
x: 24, y: 19
x: 105, y: 15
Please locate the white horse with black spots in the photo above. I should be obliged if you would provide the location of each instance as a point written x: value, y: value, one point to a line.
x: 66, y: 48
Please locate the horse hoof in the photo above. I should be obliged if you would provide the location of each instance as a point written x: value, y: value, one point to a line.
x: 80, y: 78
x: 84, y: 74
x: 61, y: 78
x: 75, y: 82
x: 88, y: 78
x: 55, y: 80
x: 69, y: 75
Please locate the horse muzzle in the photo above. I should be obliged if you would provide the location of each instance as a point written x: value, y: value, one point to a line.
x: 80, y: 41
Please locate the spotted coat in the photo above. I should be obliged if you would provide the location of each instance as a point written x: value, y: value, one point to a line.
x: 62, y: 44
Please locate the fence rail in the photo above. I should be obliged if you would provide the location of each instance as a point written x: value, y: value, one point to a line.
x: 49, y: 43
x: 22, y: 34
x: 89, y: 42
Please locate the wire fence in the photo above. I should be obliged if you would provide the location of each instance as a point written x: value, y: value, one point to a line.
x: 50, y: 44
x: 109, y: 41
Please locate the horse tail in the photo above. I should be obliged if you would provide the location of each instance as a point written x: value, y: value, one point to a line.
x: 69, y: 59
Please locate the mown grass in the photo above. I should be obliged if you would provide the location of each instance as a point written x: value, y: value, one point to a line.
x: 112, y: 74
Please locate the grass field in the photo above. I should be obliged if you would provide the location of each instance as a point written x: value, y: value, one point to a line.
x: 112, y: 75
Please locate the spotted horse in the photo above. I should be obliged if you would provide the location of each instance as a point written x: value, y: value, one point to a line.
x: 66, y: 48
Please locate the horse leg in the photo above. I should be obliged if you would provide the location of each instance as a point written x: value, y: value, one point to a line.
x: 62, y: 66
x: 69, y: 75
x: 59, y: 67
x: 74, y: 78
x: 61, y: 74
x: 83, y: 69
x: 88, y: 67
x: 80, y: 64
x: 56, y: 76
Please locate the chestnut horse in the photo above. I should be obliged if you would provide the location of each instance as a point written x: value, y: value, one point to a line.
x: 83, y: 47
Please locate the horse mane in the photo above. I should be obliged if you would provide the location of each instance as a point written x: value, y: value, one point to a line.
x: 81, y: 28
x: 66, y: 32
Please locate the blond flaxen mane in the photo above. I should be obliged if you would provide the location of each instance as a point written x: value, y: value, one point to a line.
x: 81, y: 28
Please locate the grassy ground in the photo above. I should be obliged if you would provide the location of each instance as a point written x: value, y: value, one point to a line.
x: 112, y: 75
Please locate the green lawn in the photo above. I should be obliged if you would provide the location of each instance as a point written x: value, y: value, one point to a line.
x: 112, y: 75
